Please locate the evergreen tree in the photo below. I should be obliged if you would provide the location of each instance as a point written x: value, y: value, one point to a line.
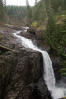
x: 29, y: 13
x: 1, y: 11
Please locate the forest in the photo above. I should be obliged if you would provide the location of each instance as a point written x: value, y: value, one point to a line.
x: 50, y: 15
x: 47, y: 24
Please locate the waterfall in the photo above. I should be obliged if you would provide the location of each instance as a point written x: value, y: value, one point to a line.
x: 47, y: 65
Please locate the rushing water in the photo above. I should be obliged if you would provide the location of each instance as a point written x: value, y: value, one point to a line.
x: 47, y: 64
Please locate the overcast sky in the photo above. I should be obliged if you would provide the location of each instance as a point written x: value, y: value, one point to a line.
x: 20, y: 2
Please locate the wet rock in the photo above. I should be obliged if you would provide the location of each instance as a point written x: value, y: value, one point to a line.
x: 23, y: 76
x: 31, y: 31
x: 56, y: 67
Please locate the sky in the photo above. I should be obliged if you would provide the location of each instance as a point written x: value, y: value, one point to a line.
x: 19, y: 2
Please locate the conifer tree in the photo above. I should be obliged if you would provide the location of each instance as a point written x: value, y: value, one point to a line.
x: 1, y: 11
x: 29, y: 13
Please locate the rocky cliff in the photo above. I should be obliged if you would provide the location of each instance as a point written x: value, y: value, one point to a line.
x: 21, y: 72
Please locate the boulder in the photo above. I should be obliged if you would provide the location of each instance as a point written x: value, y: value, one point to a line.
x: 21, y: 75
x: 31, y: 31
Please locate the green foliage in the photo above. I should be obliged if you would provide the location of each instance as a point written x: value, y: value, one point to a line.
x: 63, y: 74
x: 57, y: 4
x: 51, y: 32
x: 29, y: 15
x: 35, y: 24
x: 57, y: 40
x: 2, y: 12
x: 41, y: 9
x: 56, y: 34
x: 39, y: 12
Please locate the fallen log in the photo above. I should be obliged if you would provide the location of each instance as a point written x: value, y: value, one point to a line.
x: 4, y: 49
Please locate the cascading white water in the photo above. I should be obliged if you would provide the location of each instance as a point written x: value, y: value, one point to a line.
x: 47, y: 64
